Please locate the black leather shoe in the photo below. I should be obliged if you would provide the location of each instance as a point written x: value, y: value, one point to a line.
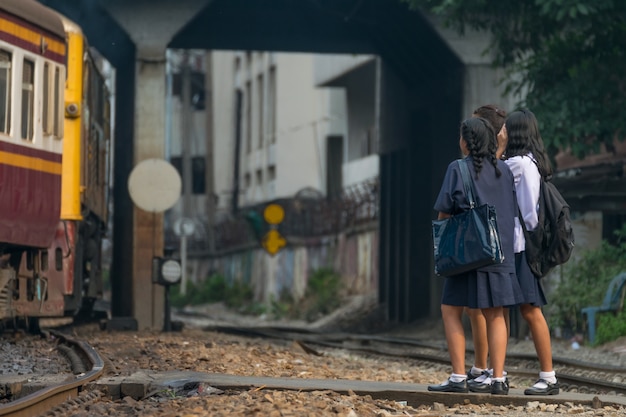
x: 499, y: 388
x: 471, y: 376
x: 483, y: 387
x: 550, y: 389
x: 449, y: 386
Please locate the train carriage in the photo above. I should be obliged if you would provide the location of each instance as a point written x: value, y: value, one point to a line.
x: 32, y: 73
x: 54, y: 144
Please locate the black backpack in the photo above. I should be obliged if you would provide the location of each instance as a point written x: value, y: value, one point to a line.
x: 552, y: 241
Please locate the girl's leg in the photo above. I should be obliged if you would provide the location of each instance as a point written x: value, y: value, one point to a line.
x: 479, y: 336
x: 541, y: 335
x: 455, y: 336
x: 497, y: 338
x: 547, y: 383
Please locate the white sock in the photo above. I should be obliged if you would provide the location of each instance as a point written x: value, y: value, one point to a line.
x: 458, y: 377
x: 502, y: 379
x: 485, y: 378
x: 548, y: 376
x: 476, y: 371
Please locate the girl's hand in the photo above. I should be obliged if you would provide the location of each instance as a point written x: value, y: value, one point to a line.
x: 502, y: 139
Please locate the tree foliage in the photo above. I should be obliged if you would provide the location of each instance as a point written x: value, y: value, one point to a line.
x: 568, y: 56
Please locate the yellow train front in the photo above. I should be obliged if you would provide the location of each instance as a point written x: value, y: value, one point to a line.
x: 54, y: 166
x: 86, y: 169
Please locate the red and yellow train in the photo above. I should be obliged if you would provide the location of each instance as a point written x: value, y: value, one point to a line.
x: 54, y: 166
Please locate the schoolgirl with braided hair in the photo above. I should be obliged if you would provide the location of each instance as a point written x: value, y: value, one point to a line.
x: 473, y: 132
x: 488, y: 288
x: 479, y: 375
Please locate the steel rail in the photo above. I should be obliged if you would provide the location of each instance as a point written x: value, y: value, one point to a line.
x: 404, y: 348
x: 43, y: 400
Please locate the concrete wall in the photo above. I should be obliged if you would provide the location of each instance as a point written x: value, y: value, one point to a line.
x: 353, y: 255
x: 301, y: 126
x: 480, y: 84
x: 330, y: 67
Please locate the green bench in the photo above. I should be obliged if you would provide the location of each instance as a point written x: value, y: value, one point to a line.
x: 613, y: 302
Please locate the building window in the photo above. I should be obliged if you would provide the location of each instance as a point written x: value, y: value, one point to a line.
x: 248, y: 117
x: 247, y: 184
x: 260, y: 97
x: 28, y: 96
x: 198, y: 173
x: 271, y: 105
x: 5, y: 91
x: 271, y: 182
x: 259, y: 189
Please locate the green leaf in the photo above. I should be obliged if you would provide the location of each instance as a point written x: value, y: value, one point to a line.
x: 582, y: 9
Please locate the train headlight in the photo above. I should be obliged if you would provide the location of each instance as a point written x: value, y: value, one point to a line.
x: 72, y: 109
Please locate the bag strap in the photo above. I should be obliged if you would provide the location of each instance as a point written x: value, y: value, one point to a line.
x: 468, y: 183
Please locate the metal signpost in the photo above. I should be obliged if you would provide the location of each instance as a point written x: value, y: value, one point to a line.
x: 155, y: 186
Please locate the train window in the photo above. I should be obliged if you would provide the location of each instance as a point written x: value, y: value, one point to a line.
x: 44, y: 260
x: 58, y: 104
x: 46, y: 99
x: 28, y: 96
x: 30, y: 260
x: 5, y: 91
x: 58, y: 259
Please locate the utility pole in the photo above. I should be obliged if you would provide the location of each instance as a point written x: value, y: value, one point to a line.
x: 186, y: 136
x: 210, y: 168
x: 186, y: 121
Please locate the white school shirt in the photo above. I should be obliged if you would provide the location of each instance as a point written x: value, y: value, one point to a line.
x: 527, y: 185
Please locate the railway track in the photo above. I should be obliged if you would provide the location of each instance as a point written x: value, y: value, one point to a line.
x: 574, y: 375
x: 87, y: 366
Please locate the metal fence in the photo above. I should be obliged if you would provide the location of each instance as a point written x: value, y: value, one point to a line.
x: 307, y: 214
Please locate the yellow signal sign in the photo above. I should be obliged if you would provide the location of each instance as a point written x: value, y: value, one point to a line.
x: 273, y: 214
x: 273, y: 241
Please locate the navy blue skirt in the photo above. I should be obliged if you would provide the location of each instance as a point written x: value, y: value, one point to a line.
x: 482, y: 289
x: 532, y: 289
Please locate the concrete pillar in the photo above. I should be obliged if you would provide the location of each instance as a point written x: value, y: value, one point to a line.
x: 148, y: 302
x: 151, y: 24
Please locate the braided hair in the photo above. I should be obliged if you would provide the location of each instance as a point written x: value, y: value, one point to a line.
x: 481, y: 142
x: 524, y: 138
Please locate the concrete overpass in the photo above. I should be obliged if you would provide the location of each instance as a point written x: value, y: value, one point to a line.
x: 421, y: 102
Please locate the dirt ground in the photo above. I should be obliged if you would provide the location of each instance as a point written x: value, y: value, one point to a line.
x: 202, y: 351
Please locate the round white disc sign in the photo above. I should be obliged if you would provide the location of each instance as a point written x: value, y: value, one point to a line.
x: 154, y: 185
x: 184, y: 227
x: 171, y: 271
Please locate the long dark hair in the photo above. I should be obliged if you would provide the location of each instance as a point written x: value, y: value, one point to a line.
x: 481, y: 142
x: 524, y: 138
